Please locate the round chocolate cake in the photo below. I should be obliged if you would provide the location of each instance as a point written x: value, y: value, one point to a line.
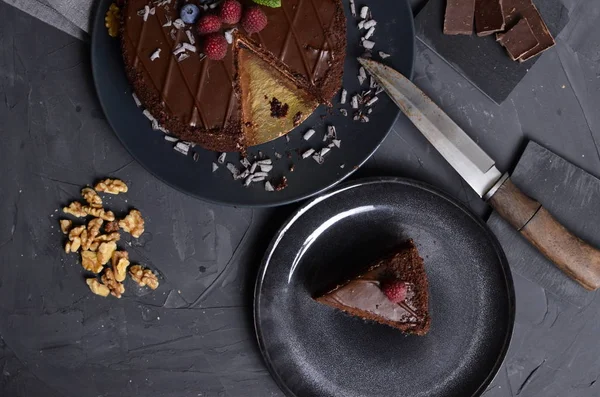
x: 266, y: 83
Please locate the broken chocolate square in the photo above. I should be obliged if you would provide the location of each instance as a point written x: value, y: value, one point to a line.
x: 518, y: 40
x: 488, y: 17
x: 514, y: 10
x: 459, y: 17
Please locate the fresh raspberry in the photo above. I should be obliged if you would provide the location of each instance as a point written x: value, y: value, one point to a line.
x: 395, y: 290
x: 209, y: 24
x: 215, y: 46
x: 231, y: 12
x: 254, y: 20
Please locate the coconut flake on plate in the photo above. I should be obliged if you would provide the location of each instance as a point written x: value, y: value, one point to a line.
x: 370, y: 33
x: 369, y: 24
x: 221, y: 158
x: 148, y: 115
x: 170, y: 138
x: 354, y: 102
x: 352, y: 8
x: 182, y: 147
x: 244, y: 161
x: 233, y: 169
x: 368, y: 44
x: 337, y: 143
x: 361, y: 25
x: 214, y: 166
x: 269, y: 187
x: 372, y: 101
x: 318, y: 158
x: 331, y: 132
x: 362, y: 75
x: 343, y: 96
x: 364, y: 11
x: 308, y: 153
x: 266, y: 167
x: 344, y: 112
x: 137, y: 101
x: 308, y: 134
x: 384, y: 55
x: 265, y: 162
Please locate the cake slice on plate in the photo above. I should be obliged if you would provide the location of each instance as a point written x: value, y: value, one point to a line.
x: 392, y: 291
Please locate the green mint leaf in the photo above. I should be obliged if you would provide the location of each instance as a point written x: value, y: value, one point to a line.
x: 269, y: 3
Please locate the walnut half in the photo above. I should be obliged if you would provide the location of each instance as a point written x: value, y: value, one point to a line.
x: 112, y: 186
x: 120, y: 262
x: 75, y: 209
x: 74, y: 239
x: 99, y: 213
x: 115, y: 287
x: 89, y: 261
x: 105, y: 252
x: 65, y: 226
x: 97, y: 288
x: 91, y: 197
x: 144, y: 277
x: 93, y: 230
x: 133, y: 223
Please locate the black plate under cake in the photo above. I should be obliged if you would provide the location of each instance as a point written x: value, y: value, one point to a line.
x: 312, y: 350
x: 394, y: 34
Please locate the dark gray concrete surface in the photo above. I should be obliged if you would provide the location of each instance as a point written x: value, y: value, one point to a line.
x: 194, y: 336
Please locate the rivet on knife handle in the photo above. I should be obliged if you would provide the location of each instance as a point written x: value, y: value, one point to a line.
x: 572, y: 255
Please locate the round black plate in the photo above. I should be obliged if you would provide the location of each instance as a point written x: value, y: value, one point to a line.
x: 313, y: 350
x: 394, y: 35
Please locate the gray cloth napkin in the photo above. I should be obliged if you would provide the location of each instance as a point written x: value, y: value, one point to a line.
x: 70, y: 16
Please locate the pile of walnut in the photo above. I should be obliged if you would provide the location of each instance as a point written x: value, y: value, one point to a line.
x: 99, y: 247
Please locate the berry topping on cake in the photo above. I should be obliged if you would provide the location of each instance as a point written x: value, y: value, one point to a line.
x: 395, y: 290
x: 231, y: 12
x: 215, y: 46
x: 254, y: 20
x: 189, y: 13
x: 209, y: 24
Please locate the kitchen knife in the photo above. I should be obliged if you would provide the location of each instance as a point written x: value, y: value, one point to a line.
x: 572, y: 255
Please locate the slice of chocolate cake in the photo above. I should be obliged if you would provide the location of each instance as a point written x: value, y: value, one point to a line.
x: 392, y: 291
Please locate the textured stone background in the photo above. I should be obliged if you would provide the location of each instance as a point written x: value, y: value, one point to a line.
x: 194, y: 336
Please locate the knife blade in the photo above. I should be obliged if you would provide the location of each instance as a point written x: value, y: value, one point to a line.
x: 572, y: 255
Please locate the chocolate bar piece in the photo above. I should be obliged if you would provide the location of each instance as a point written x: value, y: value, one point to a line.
x: 488, y: 17
x: 514, y: 10
x: 518, y: 40
x: 459, y: 17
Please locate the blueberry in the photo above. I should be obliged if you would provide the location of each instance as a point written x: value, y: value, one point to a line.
x: 190, y: 13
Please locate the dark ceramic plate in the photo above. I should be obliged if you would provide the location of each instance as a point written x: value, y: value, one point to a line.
x: 394, y: 34
x: 313, y: 350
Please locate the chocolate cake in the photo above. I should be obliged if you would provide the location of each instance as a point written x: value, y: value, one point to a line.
x: 392, y: 291
x: 201, y: 100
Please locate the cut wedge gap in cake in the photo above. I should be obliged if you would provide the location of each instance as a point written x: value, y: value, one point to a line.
x: 392, y: 291
x: 273, y: 100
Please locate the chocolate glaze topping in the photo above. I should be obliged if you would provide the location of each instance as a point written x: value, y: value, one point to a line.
x: 196, y: 98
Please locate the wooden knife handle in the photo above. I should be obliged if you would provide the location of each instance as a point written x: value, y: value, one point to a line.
x: 572, y: 255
